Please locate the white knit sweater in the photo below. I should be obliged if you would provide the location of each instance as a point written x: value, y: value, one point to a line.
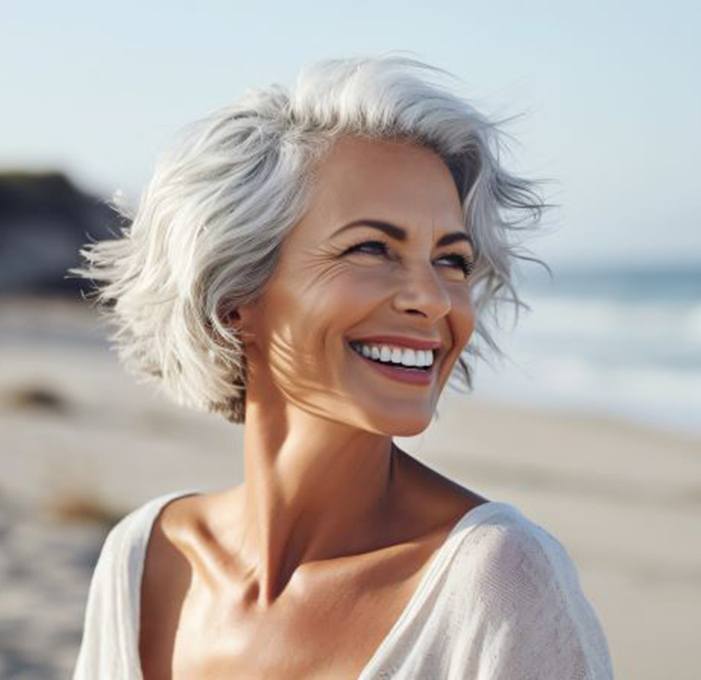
x: 501, y: 600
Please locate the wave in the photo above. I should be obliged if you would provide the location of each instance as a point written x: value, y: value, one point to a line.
x: 637, y: 356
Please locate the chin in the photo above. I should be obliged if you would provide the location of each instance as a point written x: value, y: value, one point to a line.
x: 390, y: 415
x: 400, y: 426
x: 411, y: 430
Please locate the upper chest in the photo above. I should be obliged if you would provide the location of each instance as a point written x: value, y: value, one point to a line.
x: 329, y: 623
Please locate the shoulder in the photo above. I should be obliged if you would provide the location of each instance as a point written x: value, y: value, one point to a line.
x: 510, y: 558
x: 120, y: 561
x: 172, y: 521
x: 109, y: 622
x: 131, y: 533
x: 507, y: 543
x: 519, y: 589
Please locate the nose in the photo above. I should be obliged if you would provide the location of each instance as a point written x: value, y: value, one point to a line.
x: 421, y: 291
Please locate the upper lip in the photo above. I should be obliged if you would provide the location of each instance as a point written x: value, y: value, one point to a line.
x: 400, y: 341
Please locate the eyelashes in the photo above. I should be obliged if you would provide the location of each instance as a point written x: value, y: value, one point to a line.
x: 463, y: 263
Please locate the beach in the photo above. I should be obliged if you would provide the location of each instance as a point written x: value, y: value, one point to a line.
x: 81, y: 444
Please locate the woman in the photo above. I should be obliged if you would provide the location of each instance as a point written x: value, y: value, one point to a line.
x: 313, y: 264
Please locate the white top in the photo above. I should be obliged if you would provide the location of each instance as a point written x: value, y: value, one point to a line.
x: 500, y: 600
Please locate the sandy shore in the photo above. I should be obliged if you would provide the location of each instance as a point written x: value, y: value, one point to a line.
x: 81, y: 444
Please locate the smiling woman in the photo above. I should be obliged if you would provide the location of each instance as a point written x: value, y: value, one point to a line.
x: 313, y: 264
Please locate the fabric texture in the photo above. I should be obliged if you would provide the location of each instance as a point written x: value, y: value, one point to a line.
x: 501, y: 600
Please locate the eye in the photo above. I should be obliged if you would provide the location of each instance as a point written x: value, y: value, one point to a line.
x: 372, y: 247
x: 458, y: 260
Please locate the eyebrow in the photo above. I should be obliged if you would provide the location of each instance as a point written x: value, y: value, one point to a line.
x: 400, y: 234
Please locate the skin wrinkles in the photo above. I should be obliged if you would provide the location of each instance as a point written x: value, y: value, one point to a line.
x: 333, y: 522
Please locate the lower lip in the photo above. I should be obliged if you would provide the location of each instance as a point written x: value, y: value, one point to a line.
x: 413, y: 376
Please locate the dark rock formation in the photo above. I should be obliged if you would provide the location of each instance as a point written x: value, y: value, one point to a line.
x: 44, y: 221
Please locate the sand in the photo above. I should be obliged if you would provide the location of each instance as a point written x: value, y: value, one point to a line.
x: 81, y: 444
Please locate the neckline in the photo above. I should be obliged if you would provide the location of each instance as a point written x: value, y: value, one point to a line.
x: 435, y: 561
x: 415, y: 600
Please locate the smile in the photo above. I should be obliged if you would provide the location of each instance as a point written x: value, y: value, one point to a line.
x: 402, y: 364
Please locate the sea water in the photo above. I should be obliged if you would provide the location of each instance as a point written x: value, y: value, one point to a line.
x: 618, y: 340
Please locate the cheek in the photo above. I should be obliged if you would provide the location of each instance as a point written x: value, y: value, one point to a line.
x: 301, y: 348
x: 302, y: 315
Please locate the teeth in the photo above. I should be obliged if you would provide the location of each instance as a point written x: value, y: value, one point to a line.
x: 403, y: 356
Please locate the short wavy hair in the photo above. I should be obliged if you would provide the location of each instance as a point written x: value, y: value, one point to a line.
x: 206, y: 235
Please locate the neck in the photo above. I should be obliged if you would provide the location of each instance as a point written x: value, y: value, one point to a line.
x: 313, y: 490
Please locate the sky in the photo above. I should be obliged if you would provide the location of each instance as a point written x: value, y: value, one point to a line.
x: 606, y: 95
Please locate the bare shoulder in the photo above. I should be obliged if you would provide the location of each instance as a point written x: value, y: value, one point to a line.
x: 175, y: 542
x: 168, y: 537
x: 165, y: 580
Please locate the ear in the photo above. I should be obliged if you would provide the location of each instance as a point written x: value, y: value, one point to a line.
x: 239, y: 319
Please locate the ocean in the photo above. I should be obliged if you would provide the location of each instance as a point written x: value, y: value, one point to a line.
x: 615, y: 340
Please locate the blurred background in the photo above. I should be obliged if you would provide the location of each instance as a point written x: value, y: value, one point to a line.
x: 592, y: 426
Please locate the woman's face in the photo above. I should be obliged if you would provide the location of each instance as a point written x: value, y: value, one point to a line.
x: 390, y: 274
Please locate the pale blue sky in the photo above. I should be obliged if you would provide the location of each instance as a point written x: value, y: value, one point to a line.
x: 610, y: 92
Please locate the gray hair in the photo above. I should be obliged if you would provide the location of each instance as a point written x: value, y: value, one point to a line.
x: 206, y: 235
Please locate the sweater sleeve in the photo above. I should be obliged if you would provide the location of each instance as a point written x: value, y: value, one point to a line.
x: 532, y: 620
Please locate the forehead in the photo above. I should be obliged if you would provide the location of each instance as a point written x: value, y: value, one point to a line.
x: 397, y: 181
